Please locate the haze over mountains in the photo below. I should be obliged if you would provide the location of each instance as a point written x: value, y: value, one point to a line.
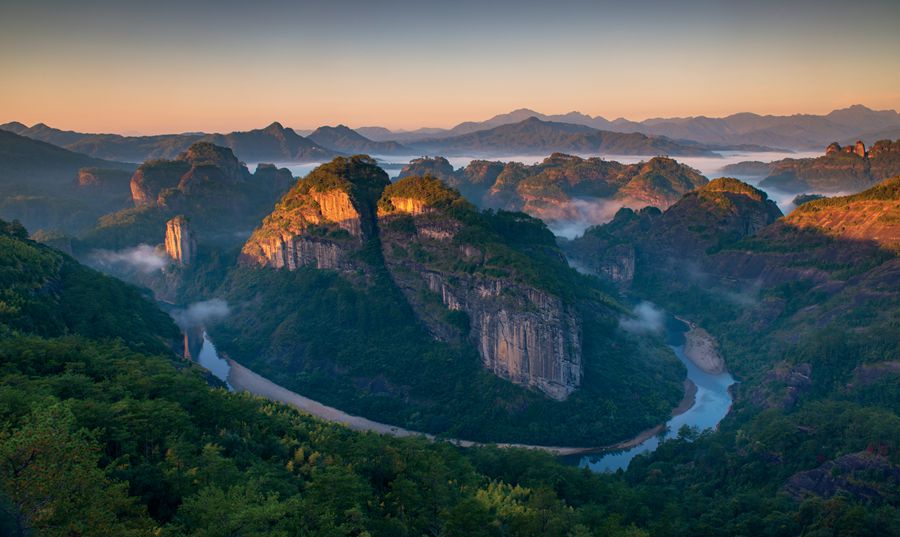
x: 521, y: 132
x: 798, y: 131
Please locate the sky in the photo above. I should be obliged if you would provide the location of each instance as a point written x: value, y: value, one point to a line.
x: 163, y: 66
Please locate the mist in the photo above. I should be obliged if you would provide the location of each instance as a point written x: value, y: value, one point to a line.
x: 591, y: 212
x: 143, y: 258
x: 201, y: 313
x: 645, y: 318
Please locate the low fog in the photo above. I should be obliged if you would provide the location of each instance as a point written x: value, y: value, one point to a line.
x: 591, y: 212
x: 201, y: 313
x: 143, y: 258
x: 645, y: 318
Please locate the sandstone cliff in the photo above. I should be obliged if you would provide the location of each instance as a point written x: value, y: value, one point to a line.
x: 322, y: 220
x: 180, y: 243
x: 523, y: 333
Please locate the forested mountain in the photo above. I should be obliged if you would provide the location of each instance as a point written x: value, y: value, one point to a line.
x: 46, y: 186
x: 798, y: 131
x: 534, y: 136
x: 848, y: 168
x: 273, y: 143
x: 346, y: 140
x: 564, y: 188
x: 449, y: 320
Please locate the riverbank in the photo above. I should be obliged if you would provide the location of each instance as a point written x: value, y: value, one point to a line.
x: 702, y: 349
x: 243, y: 379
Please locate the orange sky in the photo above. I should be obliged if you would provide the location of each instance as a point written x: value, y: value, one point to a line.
x: 167, y: 70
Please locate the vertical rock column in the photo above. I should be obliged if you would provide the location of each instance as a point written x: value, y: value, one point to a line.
x: 181, y: 245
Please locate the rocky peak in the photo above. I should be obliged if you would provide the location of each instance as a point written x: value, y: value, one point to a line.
x: 860, y: 149
x: 322, y: 219
x: 434, y: 166
x: 833, y: 148
x: 202, y: 162
x: 416, y: 195
x: 181, y: 244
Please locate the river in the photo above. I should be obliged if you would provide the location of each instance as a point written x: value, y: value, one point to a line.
x: 711, y: 403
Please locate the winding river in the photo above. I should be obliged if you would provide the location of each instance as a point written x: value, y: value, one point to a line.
x: 711, y: 403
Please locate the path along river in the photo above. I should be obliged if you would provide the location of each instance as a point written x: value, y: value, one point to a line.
x: 707, y: 401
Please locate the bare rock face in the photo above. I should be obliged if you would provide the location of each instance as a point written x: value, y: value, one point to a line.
x: 335, y: 206
x: 833, y: 148
x: 181, y: 245
x: 523, y: 334
x: 617, y: 264
x: 292, y: 252
x: 322, y: 220
x: 408, y: 205
x: 860, y: 149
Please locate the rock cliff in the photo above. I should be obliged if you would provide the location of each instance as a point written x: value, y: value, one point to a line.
x: 180, y: 243
x: 523, y: 333
x: 322, y: 220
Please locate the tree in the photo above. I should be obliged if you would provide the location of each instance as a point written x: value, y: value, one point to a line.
x: 49, y: 474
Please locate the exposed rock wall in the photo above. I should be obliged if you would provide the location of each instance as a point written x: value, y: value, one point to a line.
x: 524, y: 335
x: 336, y: 206
x: 294, y: 251
x: 181, y: 245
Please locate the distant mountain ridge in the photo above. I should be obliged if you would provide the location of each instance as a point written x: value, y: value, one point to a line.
x: 344, y: 139
x: 536, y: 136
x: 272, y: 143
x: 798, y: 131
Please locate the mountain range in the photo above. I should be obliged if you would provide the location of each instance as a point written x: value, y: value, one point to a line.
x: 848, y: 168
x: 798, y: 131
x: 564, y: 189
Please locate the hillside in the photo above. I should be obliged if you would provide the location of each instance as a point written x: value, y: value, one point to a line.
x: 534, y: 136
x: 274, y: 143
x: 343, y: 139
x: 563, y: 188
x: 47, y: 187
x: 404, y: 303
x: 722, y: 211
x: 106, y: 431
x: 849, y: 168
x: 207, y: 184
x: 798, y: 131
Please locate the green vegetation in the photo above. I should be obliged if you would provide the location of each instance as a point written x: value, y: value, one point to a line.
x: 365, y: 351
x: 427, y: 189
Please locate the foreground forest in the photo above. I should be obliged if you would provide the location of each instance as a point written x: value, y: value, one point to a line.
x: 107, y: 431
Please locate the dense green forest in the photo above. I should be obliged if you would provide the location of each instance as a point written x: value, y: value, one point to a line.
x: 104, y: 430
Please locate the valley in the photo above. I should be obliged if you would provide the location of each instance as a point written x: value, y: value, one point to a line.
x: 437, y: 309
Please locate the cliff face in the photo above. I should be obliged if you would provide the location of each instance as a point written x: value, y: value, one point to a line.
x: 463, y: 282
x: 523, y: 333
x: 180, y: 243
x: 322, y: 221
